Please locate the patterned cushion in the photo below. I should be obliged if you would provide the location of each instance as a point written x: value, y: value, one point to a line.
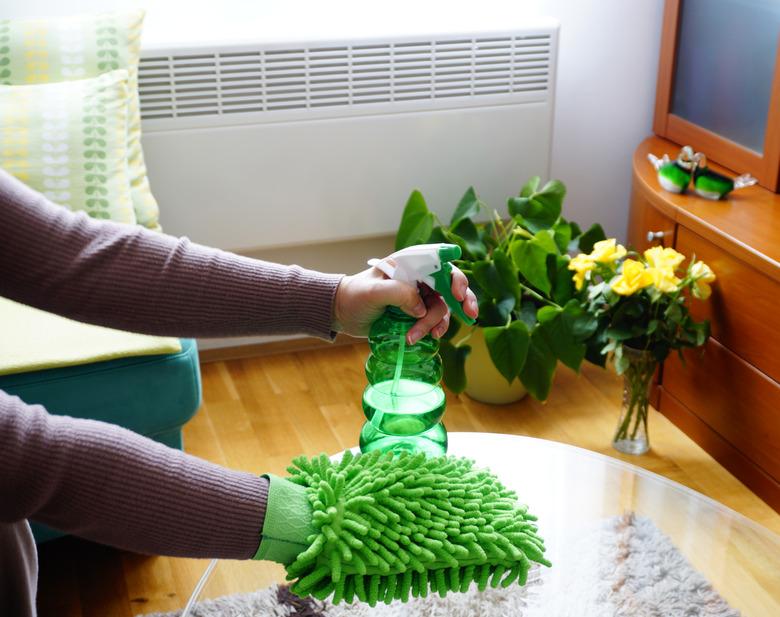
x: 68, y: 140
x: 71, y: 48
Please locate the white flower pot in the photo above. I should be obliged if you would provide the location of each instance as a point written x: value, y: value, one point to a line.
x: 483, y: 381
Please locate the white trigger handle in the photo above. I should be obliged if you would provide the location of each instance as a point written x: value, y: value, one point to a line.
x: 383, y: 266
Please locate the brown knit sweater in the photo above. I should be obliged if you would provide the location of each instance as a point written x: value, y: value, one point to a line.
x: 100, y: 481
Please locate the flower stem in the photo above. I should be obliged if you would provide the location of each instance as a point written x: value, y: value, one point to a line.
x: 636, y: 404
x: 538, y: 296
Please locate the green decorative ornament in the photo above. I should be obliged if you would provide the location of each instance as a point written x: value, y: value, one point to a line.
x: 674, y: 176
x: 712, y: 185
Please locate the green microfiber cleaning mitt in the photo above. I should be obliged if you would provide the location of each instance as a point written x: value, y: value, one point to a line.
x: 379, y: 527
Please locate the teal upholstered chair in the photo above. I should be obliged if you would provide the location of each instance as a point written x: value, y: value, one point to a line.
x: 151, y: 395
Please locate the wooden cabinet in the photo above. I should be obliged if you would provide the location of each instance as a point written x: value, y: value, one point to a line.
x: 726, y: 396
x: 648, y: 226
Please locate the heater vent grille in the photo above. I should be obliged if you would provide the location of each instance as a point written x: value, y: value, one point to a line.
x: 226, y: 83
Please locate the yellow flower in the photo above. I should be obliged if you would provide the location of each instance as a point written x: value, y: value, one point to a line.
x: 581, y: 264
x: 664, y: 279
x: 633, y: 278
x: 703, y: 276
x: 663, y: 258
x: 607, y: 251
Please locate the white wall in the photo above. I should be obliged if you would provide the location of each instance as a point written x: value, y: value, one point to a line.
x: 606, y: 73
x: 604, y: 101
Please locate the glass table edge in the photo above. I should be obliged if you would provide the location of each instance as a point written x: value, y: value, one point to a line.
x: 640, y: 471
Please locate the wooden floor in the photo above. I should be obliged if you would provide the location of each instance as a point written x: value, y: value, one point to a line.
x: 258, y: 413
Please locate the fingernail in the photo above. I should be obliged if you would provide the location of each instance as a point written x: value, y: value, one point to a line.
x: 412, y: 337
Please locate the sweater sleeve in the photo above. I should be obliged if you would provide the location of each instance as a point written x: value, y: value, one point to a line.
x: 109, y: 485
x: 130, y: 278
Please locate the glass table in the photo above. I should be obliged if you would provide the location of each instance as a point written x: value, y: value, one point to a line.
x: 570, y: 489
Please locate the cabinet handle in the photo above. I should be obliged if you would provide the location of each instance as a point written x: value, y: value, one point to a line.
x: 655, y: 235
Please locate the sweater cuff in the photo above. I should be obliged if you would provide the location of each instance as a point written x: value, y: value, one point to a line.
x: 312, y: 296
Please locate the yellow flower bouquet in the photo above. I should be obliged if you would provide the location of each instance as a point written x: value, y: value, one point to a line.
x: 639, y: 303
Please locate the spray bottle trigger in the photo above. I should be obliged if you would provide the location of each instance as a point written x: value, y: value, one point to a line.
x: 383, y: 266
x: 443, y: 286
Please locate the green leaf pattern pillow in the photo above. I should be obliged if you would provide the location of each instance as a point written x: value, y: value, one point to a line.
x: 34, y: 51
x: 68, y: 140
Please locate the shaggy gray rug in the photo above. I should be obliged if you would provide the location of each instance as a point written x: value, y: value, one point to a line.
x: 625, y: 567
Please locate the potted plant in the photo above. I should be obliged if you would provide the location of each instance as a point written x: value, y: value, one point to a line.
x: 529, y: 315
x: 641, y: 309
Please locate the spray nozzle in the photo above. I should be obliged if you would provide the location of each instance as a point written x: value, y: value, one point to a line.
x: 429, y: 264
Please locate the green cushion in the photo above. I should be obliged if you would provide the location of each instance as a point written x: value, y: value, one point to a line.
x: 151, y: 395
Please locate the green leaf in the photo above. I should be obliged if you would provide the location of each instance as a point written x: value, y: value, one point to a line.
x: 674, y: 312
x: 620, y: 333
x: 560, y: 275
x: 562, y: 231
x: 557, y: 332
x: 702, y: 332
x: 546, y: 239
x: 541, y: 209
x: 528, y: 314
x: 508, y: 347
x: 416, y: 222
x: 491, y: 281
x: 539, y: 368
x: 466, y: 235
x: 507, y: 272
x: 437, y: 236
x: 581, y: 323
x: 530, y: 257
x: 495, y: 312
x: 454, y: 362
x: 551, y: 196
x: 621, y: 362
x: 468, y: 207
x: 594, y: 234
x: 547, y: 313
x: 530, y: 187
x: 611, y: 345
x: 531, y: 260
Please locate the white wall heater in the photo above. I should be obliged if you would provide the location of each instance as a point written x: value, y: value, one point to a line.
x: 282, y: 143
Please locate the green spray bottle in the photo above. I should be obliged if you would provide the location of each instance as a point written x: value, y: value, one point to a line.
x: 404, y: 401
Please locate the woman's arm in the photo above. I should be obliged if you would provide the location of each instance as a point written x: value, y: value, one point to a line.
x: 129, y: 278
x: 107, y: 484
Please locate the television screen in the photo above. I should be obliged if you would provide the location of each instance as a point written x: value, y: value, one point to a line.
x: 724, y: 66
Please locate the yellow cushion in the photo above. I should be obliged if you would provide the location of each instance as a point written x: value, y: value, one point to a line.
x: 68, y: 141
x: 35, y: 340
x: 71, y: 48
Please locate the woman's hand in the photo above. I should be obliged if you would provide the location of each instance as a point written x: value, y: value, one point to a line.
x: 362, y: 297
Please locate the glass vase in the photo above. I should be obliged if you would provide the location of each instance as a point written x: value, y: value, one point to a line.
x: 631, y: 435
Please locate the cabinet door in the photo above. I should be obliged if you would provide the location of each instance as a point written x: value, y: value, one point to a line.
x: 733, y: 398
x: 743, y: 307
x: 648, y: 226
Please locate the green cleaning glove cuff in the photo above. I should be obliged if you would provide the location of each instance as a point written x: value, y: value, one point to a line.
x: 288, y: 522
